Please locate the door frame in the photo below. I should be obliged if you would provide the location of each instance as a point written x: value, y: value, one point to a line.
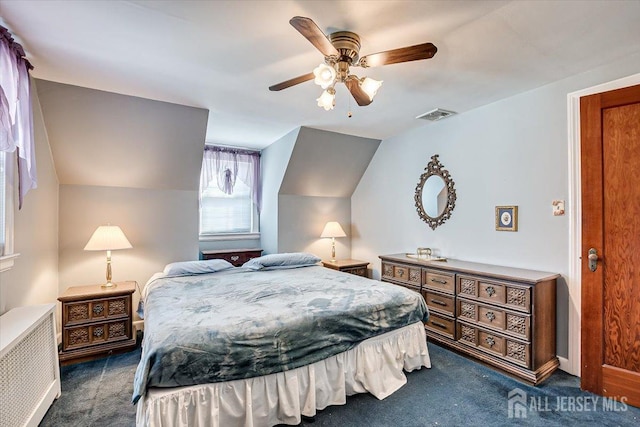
x: 572, y: 363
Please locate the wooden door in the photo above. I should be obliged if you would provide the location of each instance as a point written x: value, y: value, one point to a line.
x: 610, y: 169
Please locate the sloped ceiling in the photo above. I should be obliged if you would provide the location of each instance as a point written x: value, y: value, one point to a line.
x: 106, y: 139
x: 327, y: 164
x: 223, y: 55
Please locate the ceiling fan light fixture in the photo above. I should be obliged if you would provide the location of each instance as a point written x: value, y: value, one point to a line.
x: 328, y: 99
x: 324, y: 75
x: 370, y: 86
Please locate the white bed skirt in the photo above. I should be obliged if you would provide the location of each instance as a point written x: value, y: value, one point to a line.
x: 374, y: 366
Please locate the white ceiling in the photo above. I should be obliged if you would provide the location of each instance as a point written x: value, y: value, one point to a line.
x: 223, y: 55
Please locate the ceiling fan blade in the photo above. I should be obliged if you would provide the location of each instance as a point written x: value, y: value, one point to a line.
x: 361, y: 97
x: 314, y: 34
x: 396, y: 56
x: 292, y: 82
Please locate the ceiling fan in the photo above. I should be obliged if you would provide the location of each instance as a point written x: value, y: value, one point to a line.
x: 341, y: 50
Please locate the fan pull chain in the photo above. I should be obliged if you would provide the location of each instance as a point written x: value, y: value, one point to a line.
x: 349, y: 114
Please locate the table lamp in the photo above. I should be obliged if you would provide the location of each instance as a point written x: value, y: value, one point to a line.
x: 333, y: 230
x: 108, y: 238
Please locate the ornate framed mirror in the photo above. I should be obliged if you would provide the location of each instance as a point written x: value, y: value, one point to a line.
x: 435, y: 194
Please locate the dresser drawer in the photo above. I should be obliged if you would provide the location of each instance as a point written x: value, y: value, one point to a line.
x: 512, y: 323
x: 441, y: 324
x: 402, y: 274
x: 95, y: 334
x: 440, y: 281
x: 95, y: 310
x: 507, y: 348
x: 439, y: 302
x: 500, y: 293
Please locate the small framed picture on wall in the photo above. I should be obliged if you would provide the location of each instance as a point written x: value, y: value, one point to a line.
x: 507, y: 218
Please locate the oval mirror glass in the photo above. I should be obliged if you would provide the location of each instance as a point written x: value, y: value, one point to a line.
x: 434, y: 196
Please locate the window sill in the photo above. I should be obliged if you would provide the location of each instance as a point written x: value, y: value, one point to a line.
x: 7, y: 261
x: 235, y: 236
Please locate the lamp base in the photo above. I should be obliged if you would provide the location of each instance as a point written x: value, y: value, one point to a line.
x: 109, y: 285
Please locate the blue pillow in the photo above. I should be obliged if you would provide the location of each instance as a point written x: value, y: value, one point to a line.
x: 282, y: 261
x: 196, y: 267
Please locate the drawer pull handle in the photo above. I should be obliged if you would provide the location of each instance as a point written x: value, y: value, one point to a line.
x: 98, y: 309
x: 491, y: 291
x: 442, y: 282
x: 400, y: 272
x: 235, y: 257
x: 490, y: 341
x: 438, y: 324
x: 438, y: 302
x: 490, y: 315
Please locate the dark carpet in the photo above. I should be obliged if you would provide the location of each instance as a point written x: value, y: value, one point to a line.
x: 454, y: 392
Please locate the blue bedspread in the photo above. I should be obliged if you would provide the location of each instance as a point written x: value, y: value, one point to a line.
x: 237, y: 323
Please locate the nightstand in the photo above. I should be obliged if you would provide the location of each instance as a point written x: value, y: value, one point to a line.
x: 352, y: 266
x: 96, y: 321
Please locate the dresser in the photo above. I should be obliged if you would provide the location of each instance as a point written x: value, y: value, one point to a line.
x: 504, y: 317
x: 96, y: 321
x: 351, y: 266
x: 237, y: 257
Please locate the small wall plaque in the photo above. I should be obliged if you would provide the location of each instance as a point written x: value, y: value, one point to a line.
x: 506, y: 218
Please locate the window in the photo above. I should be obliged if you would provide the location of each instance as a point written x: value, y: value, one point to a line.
x: 229, y: 193
x: 3, y: 201
x: 6, y: 211
x: 16, y: 136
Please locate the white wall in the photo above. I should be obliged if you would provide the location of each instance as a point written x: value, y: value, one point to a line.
x: 274, y: 161
x: 34, y: 277
x: 512, y: 152
x: 161, y: 225
x: 308, y: 178
x: 302, y: 219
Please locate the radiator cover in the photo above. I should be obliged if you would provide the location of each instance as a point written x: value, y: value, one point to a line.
x: 29, y: 370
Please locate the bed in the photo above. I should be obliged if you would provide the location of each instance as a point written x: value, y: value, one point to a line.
x: 269, y: 342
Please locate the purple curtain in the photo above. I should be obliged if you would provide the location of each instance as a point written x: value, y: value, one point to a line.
x: 16, y: 116
x: 225, y: 165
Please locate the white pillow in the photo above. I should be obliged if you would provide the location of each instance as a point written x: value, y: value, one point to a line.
x: 196, y: 267
x: 282, y: 261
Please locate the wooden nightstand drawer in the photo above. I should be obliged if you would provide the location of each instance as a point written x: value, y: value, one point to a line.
x: 95, y: 310
x: 351, y: 266
x: 96, y: 333
x: 358, y: 271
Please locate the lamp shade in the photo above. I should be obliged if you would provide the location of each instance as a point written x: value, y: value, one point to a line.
x: 324, y: 75
x: 333, y: 229
x: 371, y: 86
x: 107, y: 238
x: 328, y: 99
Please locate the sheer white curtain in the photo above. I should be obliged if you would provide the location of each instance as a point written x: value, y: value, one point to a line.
x: 16, y: 118
x: 229, y: 191
x: 226, y: 165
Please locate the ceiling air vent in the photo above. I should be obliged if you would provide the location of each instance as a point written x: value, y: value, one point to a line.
x: 436, y: 114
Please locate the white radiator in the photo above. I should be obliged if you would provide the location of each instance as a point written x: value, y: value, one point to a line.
x: 29, y: 370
